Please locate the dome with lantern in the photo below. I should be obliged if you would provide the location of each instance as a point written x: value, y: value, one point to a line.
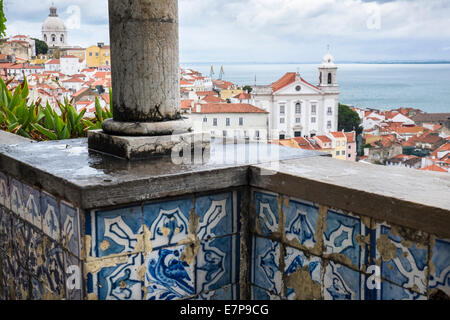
x: 54, y: 31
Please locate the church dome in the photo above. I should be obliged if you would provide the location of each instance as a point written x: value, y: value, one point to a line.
x: 53, y: 23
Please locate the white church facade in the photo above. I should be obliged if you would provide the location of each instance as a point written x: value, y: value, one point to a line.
x: 54, y: 31
x: 299, y: 109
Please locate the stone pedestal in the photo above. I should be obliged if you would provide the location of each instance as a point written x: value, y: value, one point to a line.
x: 145, y: 83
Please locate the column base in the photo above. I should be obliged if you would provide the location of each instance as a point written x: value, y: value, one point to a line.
x: 139, y: 129
x: 147, y: 147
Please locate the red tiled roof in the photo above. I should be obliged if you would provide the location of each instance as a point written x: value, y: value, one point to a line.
x: 186, y: 104
x: 288, y: 79
x: 230, y: 108
x: 324, y: 139
x: 351, y: 137
x: 435, y: 168
x: 243, y: 96
x: 338, y: 135
x: 213, y: 99
x: 206, y: 93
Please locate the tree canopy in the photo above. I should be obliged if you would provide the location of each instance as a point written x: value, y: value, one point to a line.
x: 2, y: 20
x: 349, y: 120
x: 41, y: 47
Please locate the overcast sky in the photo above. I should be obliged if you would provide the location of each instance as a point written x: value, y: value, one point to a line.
x: 271, y: 30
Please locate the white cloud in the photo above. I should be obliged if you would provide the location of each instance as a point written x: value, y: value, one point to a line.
x: 273, y: 30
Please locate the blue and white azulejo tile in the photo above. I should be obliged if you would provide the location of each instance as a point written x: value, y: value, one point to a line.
x: 168, y: 276
x: 440, y: 259
x: 70, y: 228
x: 16, y: 195
x: 259, y: 294
x: 390, y: 291
x: 168, y: 222
x: 340, y: 237
x: 4, y: 191
x: 342, y: 283
x: 32, y: 206
x: 218, y: 216
x: 296, y: 260
x: 120, y: 282
x: 117, y: 231
x: 408, y: 269
x: 216, y: 264
x: 301, y: 222
x: 50, y: 216
x: 266, y: 265
x: 266, y: 206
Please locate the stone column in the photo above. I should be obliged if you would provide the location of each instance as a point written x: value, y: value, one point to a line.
x: 145, y: 68
x: 145, y: 84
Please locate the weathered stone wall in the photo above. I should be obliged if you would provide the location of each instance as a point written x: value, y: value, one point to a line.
x: 304, y: 250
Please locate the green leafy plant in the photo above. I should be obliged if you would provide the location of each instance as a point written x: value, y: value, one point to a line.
x: 100, y: 115
x: 33, y: 121
x: 16, y: 116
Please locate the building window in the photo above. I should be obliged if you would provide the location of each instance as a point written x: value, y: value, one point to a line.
x: 96, y: 54
x: 313, y: 109
x: 343, y: 153
x: 297, y: 134
x: 298, y: 120
x: 329, y: 125
x: 330, y: 78
x: 215, y: 122
x: 349, y: 155
x: 338, y: 153
x: 313, y: 120
x: 330, y: 111
x: 228, y: 122
x: 205, y: 120
x: 282, y: 109
x: 257, y: 134
x: 241, y: 121
x: 224, y: 133
x: 349, y: 147
x: 62, y: 38
x: 90, y: 54
x: 282, y: 136
x: 338, y: 143
x: 281, y: 120
x: 53, y: 38
x: 298, y: 108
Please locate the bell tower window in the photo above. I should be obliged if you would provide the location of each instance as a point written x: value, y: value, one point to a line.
x: 330, y: 78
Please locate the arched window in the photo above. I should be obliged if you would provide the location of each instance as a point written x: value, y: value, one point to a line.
x: 62, y: 38
x: 45, y: 37
x: 53, y: 38
x: 330, y: 78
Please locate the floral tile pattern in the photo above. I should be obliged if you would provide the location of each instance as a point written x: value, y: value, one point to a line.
x: 228, y: 293
x: 440, y: 259
x: 32, y: 206
x: 16, y: 195
x: 340, y: 237
x: 5, y: 229
x: 266, y: 265
x: 301, y: 222
x: 36, y: 254
x: 342, y: 283
x: 22, y: 238
x: 4, y: 191
x: 117, y: 231
x: 216, y: 264
x: 168, y: 222
x: 408, y: 268
x: 217, y: 215
x: 266, y: 206
x: 168, y: 276
x: 53, y: 271
x: 50, y: 216
x: 121, y: 282
x: 70, y: 228
x: 393, y: 292
x: 295, y: 260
